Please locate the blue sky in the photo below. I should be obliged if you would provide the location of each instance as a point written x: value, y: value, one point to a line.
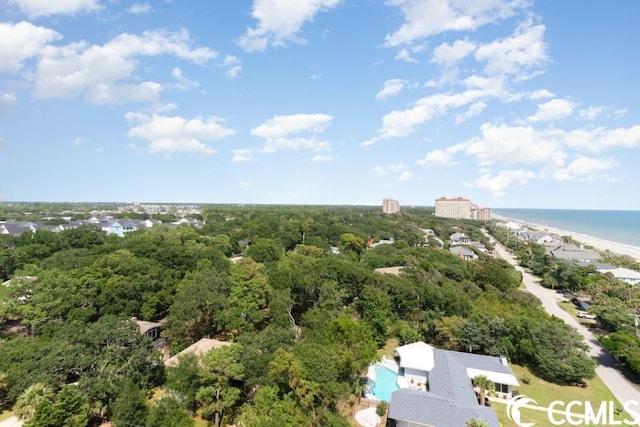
x: 509, y: 103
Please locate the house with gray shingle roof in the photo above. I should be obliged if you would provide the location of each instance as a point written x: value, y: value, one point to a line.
x: 450, y: 399
x: 463, y: 252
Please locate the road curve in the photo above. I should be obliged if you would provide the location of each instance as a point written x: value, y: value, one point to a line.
x: 623, y: 389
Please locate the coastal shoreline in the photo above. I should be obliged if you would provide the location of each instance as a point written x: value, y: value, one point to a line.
x: 596, y: 243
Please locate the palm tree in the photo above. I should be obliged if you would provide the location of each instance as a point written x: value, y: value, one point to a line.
x: 485, y: 385
x: 476, y: 422
x: 29, y: 400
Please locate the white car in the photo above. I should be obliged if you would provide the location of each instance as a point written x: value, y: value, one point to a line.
x: 585, y: 315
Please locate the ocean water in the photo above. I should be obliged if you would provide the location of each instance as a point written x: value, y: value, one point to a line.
x: 614, y: 226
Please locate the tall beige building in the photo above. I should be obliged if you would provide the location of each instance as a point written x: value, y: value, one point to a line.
x: 461, y: 208
x: 390, y: 206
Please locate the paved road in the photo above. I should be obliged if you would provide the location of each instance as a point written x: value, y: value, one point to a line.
x: 623, y: 389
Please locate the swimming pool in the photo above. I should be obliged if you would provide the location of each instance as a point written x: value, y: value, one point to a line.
x: 385, y: 384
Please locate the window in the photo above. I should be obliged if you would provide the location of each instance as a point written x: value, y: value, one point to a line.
x: 501, y: 388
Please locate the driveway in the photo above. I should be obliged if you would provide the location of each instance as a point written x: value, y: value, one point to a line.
x: 623, y: 389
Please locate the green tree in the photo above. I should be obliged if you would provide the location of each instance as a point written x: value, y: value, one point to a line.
x: 248, y: 296
x: 485, y: 385
x: 169, y: 412
x: 184, y: 379
x: 354, y: 345
x: 199, y: 307
x: 351, y: 245
x: 31, y: 398
x: 560, y: 353
x: 476, y: 422
x: 269, y: 410
x: 218, y: 395
x: 129, y: 406
x: 69, y: 408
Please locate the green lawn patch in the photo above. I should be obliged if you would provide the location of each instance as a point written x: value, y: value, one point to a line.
x: 545, y: 392
x: 389, y: 348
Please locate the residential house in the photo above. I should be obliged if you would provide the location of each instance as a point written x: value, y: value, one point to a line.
x: 459, y: 239
x: 450, y: 399
x: 575, y: 253
x: 202, y: 346
x: 463, y: 252
x: 149, y: 329
x: 626, y: 275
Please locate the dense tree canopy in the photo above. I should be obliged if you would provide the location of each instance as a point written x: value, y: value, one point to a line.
x: 301, y: 303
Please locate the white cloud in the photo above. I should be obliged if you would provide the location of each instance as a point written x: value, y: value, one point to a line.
x: 398, y: 169
x: 380, y: 170
x: 541, y: 94
x: 473, y: 111
x: 441, y: 157
x: 523, y: 51
x: 391, y: 87
x: 553, y: 110
x: 436, y: 157
x: 182, y: 82
x: 401, y: 123
x: 2, y: 142
x: 405, y: 55
x: 140, y: 9
x: 498, y: 184
x: 601, y: 138
x: 242, y: 155
x: 279, y: 21
x: 78, y: 140
x: 405, y: 176
x: 584, y: 169
x: 424, y: 18
x: 502, y: 144
x: 321, y: 158
x: 22, y: 41
x: 233, y: 66
x: 590, y: 113
x: 177, y: 134
x: 7, y: 101
x: 36, y: 8
x: 100, y: 73
x: 448, y: 55
x: 283, y: 132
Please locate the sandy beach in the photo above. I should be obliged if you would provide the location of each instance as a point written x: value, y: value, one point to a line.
x: 594, y: 242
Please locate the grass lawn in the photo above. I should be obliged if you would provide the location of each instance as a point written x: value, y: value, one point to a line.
x: 389, y: 348
x: 544, y: 393
x: 528, y: 416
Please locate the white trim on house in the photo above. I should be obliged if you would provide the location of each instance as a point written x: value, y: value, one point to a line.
x: 495, y: 377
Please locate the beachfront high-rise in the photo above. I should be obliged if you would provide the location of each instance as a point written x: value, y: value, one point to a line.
x: 390, y: 206
x: 461, y: 208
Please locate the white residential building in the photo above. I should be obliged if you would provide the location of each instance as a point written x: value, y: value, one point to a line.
x: 390, y: 206
x: 461, y: 208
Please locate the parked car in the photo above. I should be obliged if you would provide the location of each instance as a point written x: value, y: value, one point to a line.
x: 585, y: 315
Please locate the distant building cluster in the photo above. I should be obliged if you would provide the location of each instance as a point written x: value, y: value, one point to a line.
x: 107, y: 224
x: 570, y: 252
x: 390, y: 206
x: 461, y: 208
